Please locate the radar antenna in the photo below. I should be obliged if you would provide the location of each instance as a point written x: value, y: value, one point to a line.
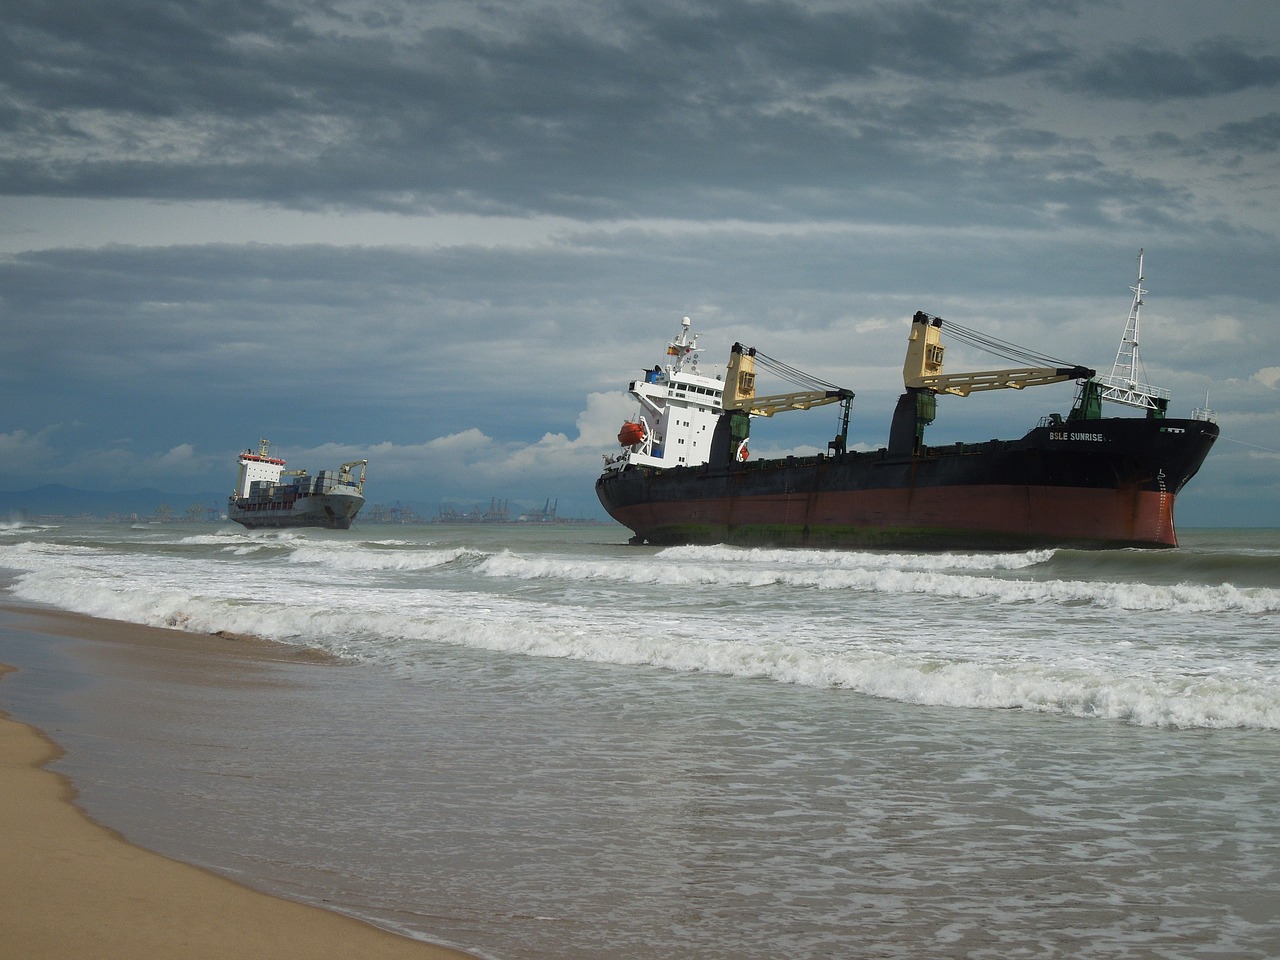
x: 1122, y: 384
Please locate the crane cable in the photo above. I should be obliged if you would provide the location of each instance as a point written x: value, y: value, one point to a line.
x: 1001, y: 348
x: 791, y: 374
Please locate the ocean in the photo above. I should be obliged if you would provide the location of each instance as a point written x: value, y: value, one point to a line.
x: 536, y: 741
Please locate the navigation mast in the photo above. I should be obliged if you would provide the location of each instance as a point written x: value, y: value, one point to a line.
x: 1122, y: 384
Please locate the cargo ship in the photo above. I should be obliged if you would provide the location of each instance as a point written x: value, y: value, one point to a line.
x: 267, y: 495
x: 684, y: 473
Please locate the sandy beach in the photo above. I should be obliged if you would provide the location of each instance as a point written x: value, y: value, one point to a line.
x: 70, y: 887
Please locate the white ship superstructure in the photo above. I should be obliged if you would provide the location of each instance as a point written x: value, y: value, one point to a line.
x: 679, y: 410
x: 258, y: 467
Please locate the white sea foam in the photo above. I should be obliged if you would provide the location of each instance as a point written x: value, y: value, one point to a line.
x: 961, y: 631
x: 391, y: 630
x: 24, y: 527
x: 351, y: 557
x: 846, y: 573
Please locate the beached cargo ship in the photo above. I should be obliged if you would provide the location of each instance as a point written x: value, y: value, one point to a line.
x: 267, y: 495
x: 684, y: 472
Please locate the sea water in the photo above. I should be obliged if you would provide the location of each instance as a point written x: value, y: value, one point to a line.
x: 537, y: 741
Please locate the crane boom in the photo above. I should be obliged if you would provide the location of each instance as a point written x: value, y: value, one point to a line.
x: 922, y: 369
x: 740, y: 389
x: 963, y: 384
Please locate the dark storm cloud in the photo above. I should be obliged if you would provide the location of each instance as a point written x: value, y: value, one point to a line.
x: 138, y: 56
x: 766, y: 111
x: 1261, y: 135
x: 671, y: 110
x: 419, y: 338
x: 1209, y: 68
x: 1228, y: 143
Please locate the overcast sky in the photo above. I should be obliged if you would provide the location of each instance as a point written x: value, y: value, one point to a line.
x: 445, y: 235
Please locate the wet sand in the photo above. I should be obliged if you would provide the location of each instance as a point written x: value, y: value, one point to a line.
x: 70, y: 887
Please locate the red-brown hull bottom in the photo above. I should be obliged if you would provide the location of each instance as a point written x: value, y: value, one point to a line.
x: 977, y: 516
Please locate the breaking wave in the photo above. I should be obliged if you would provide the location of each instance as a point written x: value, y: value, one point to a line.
x: 1045, y: 631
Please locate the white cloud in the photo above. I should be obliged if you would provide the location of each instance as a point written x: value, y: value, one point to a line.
x: 179, y: 460
x: 22, y: 450
x: 1268, y: 377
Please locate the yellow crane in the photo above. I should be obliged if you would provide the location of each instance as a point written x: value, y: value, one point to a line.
x: 923, y: 377
x: 740, y: 388
x: 922, y: 369
x: 740, y: 402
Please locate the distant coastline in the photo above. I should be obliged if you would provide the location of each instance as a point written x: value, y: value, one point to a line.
x: 58, y: 503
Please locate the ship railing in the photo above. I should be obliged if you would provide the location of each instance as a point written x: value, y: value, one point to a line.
x: 791, y: 461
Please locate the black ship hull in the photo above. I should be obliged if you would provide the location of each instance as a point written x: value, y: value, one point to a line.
x: 1108, y: 482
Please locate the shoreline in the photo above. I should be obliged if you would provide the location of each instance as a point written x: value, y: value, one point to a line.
x: 70, y: 886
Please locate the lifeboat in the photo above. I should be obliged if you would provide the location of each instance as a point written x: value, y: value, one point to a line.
x: 631, y: 434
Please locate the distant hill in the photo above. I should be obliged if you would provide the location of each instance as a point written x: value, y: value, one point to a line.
x: 56, y: 500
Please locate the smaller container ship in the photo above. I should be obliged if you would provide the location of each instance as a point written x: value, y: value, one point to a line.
x: 267, y: 495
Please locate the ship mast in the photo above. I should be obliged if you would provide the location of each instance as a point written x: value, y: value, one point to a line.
x: 1122, y: 384
x: 683, y: 348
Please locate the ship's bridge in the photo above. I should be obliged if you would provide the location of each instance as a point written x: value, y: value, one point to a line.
x: 679, y: 407
x: 258, y: 466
